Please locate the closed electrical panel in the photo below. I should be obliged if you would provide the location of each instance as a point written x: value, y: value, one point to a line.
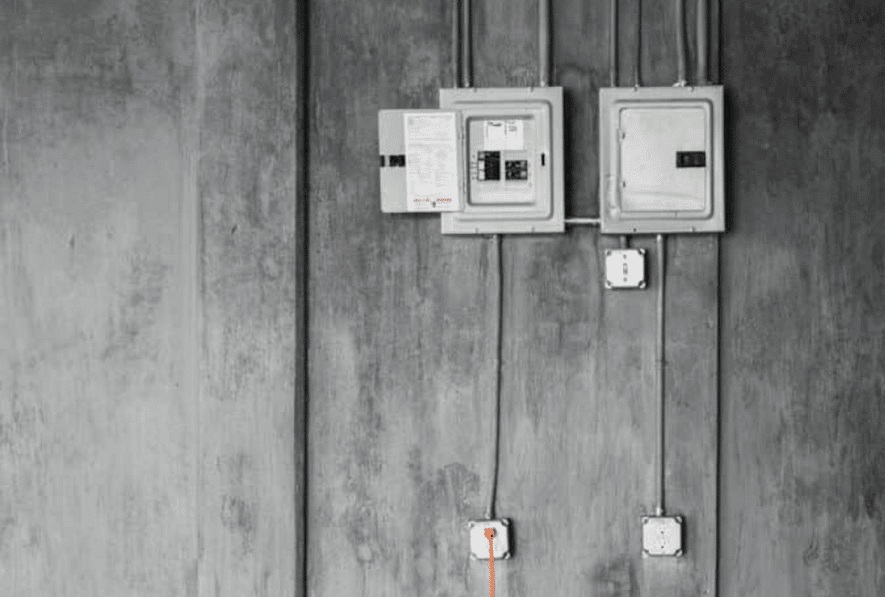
x: 662, y: 162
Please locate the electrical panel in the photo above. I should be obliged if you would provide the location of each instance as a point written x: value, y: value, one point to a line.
x: 513, y: 143
x: 662, y: 161
x: 490, y: 159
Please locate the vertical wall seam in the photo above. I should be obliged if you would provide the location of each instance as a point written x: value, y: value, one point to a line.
x: 303, y: 191
x: 196, y: 282
x: 715, y: 69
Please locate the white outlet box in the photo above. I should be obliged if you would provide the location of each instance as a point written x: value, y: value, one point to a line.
x: 512, y: 142
x: 625, y: 268
x: 479, y: 542
x: 662, y: 160
x: 662, y: 536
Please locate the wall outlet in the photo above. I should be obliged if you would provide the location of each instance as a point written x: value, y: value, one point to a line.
x: 479, y: 542
x: 662, y: 536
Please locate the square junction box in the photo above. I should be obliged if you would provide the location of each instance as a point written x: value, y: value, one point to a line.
x: 479, y: 542
x: 662, y: 536
x: 493, y: 158
x: 662, y: 161
x: 625, y: 268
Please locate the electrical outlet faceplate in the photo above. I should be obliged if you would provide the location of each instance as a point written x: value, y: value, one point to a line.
x: 662, y: 536
x: 479, y: 542
x: 625, y: 268
x: 662, y: 160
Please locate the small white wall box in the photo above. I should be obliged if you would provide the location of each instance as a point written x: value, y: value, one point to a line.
x: 491, y: 158
x: 662, y: 536
x: 479, y: 542
x: 625, y: 268
x: 662, y: 162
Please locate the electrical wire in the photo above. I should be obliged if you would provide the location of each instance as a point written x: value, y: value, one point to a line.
x: 637, y: 76
x: 679, y: 43
x: 614, y: 26
x: 544, y: 42
x: 499, y: 341
x: 660, y: 381
x: 614, y: 67
x: 582, y: 221
x: 702, y: 45
x: 456, y: 43
x: 466, y: 46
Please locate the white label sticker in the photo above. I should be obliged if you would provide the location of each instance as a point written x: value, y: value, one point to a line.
x: 431, y: 161
x: 503, y: 134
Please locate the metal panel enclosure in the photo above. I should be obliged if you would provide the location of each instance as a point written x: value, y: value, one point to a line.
x: 514, y: 172
x: 661, y: 160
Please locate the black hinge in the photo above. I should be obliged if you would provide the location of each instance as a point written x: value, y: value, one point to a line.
x: 394, y: 161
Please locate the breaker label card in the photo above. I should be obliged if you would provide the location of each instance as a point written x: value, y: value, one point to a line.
x: 432, y: 162
x: 503, y: 134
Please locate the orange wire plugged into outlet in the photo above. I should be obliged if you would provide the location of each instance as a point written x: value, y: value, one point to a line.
x: 490, y: 535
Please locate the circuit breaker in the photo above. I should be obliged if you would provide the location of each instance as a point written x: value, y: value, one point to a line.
x: 490, y: 159
x: 662, y: 160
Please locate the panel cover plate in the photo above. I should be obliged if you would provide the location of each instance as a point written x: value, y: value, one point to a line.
x: 521, y: 189
x: 662, y: 160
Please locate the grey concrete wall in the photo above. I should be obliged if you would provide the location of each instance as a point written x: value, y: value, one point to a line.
x: 789, y: 328
x: 147, y: 310
x: 151, y: 308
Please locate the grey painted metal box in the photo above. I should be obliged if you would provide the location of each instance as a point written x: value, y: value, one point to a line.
x: 513, y: 149
x: 662, y: 160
